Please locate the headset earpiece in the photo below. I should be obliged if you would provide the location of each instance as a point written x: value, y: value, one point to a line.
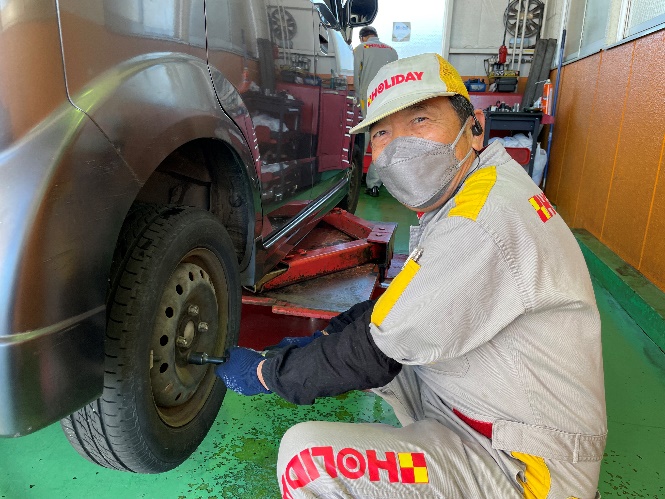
x: 476, y: 128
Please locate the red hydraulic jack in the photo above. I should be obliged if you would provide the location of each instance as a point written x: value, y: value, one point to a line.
x: 342, y: 261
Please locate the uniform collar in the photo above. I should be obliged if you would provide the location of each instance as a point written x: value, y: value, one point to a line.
x: 494, y: 154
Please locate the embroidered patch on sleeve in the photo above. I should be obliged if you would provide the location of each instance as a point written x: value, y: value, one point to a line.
x: 542, y: 206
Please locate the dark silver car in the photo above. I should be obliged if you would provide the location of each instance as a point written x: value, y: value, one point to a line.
x: 155, y: 156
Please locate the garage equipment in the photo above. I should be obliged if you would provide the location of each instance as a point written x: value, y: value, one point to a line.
x: 344, y: 260
x: 475, y: 85
x: 526, y: 122
x: 524, y: 19
x: 341, y: 262
x: 540, y: 70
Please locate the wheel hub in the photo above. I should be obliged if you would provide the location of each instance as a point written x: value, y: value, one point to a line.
x: 186, y: 321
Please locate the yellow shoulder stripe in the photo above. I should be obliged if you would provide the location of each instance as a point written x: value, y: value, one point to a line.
x: 537, y: 478
x: 473, y: 195
x: 394, y: 291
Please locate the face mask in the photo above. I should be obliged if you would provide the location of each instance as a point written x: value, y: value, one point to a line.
x: 417, y: 171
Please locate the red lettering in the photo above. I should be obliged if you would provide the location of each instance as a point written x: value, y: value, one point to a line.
x: 351, y: 463
x: 309, y: 464
x: 302, y: 478
x: 394, y: 80
x: 285, y: 489
x: 328, y: 459
x: 374, y: 464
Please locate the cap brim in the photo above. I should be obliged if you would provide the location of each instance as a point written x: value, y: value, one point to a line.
x: 390, y: 107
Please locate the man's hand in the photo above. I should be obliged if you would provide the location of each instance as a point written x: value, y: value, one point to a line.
x: 298, y: 341
x: 240, y: 371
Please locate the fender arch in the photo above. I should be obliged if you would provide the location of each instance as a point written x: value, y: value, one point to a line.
x: 152, y: 108
x: 152, y: 104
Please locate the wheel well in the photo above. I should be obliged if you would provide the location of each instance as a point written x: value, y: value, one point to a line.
x: 207, y: 174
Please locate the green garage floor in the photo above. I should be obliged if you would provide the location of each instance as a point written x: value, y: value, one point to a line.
x: 237, y: 459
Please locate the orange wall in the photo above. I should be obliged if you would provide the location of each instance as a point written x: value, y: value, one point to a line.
x: 607, y: 168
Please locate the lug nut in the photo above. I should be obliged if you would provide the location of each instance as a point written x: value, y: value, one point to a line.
x: 193, y: 310
x: 203, y: 327
x: 181, y: 341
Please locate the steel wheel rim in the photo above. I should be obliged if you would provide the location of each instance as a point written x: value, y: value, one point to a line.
x: 180, y: 389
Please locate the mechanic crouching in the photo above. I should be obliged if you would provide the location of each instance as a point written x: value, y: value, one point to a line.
x: 487, y: 344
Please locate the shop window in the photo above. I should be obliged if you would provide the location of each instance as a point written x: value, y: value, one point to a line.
x: 642, y: 15
x: 593, y: 25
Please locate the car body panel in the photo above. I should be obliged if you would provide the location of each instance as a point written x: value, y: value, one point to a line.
x: 29, y: 37
x: 58, y: 181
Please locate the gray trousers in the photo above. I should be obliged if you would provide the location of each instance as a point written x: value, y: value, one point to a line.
x: 372, y: 178
x: 426, y: 458
x: 423, y: 459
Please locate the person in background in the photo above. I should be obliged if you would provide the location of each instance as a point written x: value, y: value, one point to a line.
x: 487, y: 344
x: 368, y: 57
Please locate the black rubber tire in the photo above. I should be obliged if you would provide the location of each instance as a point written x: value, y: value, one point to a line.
x: 127, y: 428
x: 350, y: 201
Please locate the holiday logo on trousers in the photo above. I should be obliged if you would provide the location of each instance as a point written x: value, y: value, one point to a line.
x: 396, y: 467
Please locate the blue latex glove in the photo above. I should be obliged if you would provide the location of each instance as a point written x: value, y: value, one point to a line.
x: 299, y: 341
x: 239, y: 371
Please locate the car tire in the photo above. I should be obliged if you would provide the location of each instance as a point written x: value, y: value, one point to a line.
x: 350, y: 201
x: 174, y: 289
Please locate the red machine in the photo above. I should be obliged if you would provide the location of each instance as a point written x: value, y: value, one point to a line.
x: 342, y: 261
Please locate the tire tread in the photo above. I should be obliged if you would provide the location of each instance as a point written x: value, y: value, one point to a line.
x: 105, y: 431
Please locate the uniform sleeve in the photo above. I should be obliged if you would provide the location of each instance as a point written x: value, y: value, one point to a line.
x: 463, y: 291
x: 330, y: 365
x: 342, y: 320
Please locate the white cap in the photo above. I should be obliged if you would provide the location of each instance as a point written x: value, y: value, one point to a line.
x: 405, y: 82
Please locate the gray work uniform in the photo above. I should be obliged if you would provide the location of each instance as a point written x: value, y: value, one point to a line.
x: 501, y: 391
x: 368, y: 58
